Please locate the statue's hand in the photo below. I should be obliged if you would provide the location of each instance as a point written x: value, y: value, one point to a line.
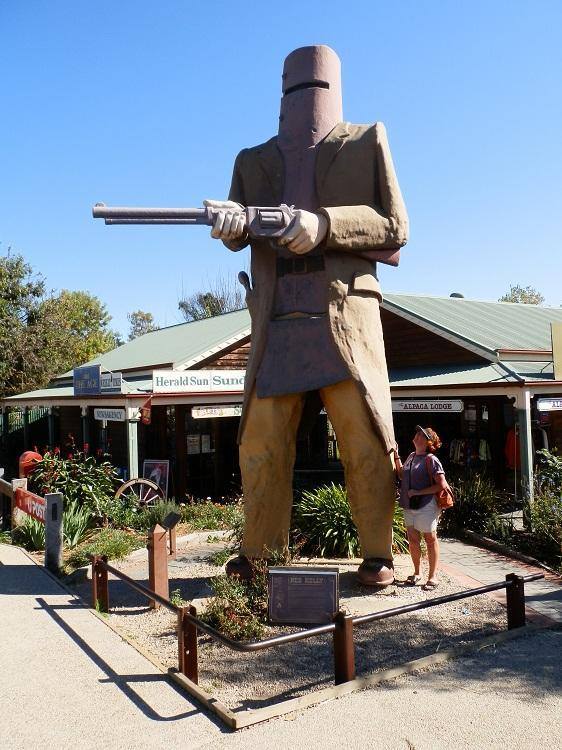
x: 230, y: 220
x: 306, y: 231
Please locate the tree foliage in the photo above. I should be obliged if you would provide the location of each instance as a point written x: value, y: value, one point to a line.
x: 140, y: 323
x: 526, y: 295
x: 224, y: 295
x: 43, y: 336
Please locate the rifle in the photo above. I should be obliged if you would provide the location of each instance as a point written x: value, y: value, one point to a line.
x: 261, y: 222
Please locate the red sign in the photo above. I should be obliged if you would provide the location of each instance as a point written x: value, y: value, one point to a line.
x: 145, y: 412
x: 31, y: 504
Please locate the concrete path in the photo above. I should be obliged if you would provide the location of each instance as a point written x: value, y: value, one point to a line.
x: 68, y: 681
x: 474, y: 566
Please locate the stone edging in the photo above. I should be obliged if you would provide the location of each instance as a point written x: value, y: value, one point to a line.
x: 487, y: 543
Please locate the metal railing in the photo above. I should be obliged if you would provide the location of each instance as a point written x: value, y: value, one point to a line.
x: 342, y: 627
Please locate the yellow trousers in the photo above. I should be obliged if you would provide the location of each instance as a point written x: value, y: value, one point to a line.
x: 267, y: 457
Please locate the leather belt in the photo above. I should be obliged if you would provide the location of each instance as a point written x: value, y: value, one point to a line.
x: 300, y: 264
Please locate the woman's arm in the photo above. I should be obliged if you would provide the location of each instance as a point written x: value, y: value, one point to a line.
x: 440, y: 484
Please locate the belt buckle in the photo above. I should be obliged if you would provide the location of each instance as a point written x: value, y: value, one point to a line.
x: 299, y: 265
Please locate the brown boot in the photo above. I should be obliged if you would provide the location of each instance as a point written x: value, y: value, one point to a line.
x: 240, y: 566
x: 374, y: 571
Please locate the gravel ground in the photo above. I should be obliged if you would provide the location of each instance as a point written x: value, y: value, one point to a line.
x: 254, y: 680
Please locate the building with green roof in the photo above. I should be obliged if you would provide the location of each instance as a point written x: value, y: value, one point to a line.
x: 481, y: 373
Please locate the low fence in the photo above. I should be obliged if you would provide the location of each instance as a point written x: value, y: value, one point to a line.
x: 47, y: 510
x: 188, y: 624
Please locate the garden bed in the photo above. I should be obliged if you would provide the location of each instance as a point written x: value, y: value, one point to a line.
x: 252, y: 680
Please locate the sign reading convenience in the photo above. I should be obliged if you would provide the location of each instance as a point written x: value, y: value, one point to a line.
x: 109, y: 415
x: 198, y: 381
x: 447, y: 406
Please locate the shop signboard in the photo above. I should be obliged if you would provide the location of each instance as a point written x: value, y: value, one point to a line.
x: 198, y: 381
x: 212, y: 412
x: 446, y: 406
x: 90, y: 381
x: 109, y: 415
x: 87, y: 380
x: 111, y: 382
x: 550, y: 404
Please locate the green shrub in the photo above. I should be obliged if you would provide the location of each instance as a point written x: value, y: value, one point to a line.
x: 549, y: 472
x: 156, y: 513
x: 115, y: 543
x: 5, y: 537
x: 204, y: 514
x: 79, y: 478
x: 476, y: 502
x: 30, y: 534
x: 322, y: 518
x: 545, y: 516
x: 76, y: 521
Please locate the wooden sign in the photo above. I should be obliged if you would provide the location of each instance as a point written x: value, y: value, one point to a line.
x: 31, y: 504
x: 303, y: 595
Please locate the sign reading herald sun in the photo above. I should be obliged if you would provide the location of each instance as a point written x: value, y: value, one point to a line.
x: 198, y: 381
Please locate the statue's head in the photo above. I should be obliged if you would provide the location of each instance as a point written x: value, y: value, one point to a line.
x: 311, y: 105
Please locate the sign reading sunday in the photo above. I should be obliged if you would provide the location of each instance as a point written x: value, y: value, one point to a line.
x: 198, y: 381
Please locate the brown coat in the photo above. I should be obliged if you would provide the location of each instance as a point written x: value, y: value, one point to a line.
x: 359, y: 194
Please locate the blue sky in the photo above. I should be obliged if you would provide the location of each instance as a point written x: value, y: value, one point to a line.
x: 143, y: 103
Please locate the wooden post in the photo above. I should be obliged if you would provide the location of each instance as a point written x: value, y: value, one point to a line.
x: 17, y: 515
x: 100, y: 585
x: 187, y: 644
x: 53, y: 531
x: 515, y: 595
x: 158, y: 563
x: 344, y: 651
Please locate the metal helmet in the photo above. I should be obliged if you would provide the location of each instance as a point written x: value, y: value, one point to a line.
x: 311, y: 105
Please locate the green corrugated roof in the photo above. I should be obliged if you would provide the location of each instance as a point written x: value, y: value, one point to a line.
x: 492, y: 325
x: 176, y: 344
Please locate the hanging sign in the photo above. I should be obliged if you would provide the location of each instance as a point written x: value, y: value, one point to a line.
x: 450, y: 406
x: 198, y: 381
x: 109, y: 415
x: 210, y: 412
x: 549, y: 404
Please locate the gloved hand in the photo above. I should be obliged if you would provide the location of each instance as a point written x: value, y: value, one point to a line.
x: 230, y: 221
x: 305, y: 232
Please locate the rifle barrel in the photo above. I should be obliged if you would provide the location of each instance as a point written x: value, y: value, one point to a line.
x: 135, y: 215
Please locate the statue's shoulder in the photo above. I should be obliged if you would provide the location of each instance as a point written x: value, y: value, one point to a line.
x: 248, y: 155
x: 361, y: 132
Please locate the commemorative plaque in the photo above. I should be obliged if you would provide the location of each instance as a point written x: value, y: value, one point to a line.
x: 303, y: 595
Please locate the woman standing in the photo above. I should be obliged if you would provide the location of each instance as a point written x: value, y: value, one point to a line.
x: 422, y: 478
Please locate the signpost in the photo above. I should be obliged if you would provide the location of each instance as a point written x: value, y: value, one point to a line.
x: 303, y: 595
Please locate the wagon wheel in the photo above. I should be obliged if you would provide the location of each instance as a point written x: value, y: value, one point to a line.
x: 141, y: 492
